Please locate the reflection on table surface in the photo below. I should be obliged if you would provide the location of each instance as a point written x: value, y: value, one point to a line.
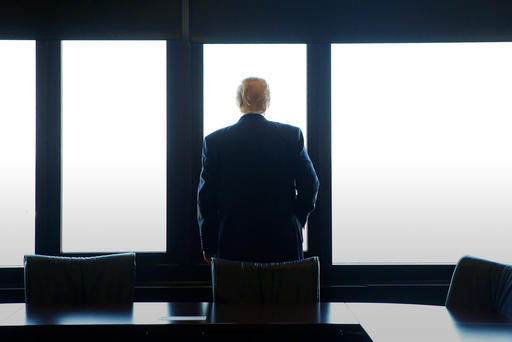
x: 156, y: 313
x: 409, y: 322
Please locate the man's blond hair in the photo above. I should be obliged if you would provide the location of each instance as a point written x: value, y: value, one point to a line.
x: 253, y: 95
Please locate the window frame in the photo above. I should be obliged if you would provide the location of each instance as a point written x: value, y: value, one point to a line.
x: 316, y: 23
x: 48, y: 159
x: 182, y: 263
x: 319, y: 124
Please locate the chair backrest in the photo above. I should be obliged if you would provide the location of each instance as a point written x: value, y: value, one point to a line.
x: 52, y: 280
x: 253, y: 282
x: 480, y: 285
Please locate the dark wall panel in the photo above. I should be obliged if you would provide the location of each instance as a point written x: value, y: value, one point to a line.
x: 350, y: 20
x: 90, y: 19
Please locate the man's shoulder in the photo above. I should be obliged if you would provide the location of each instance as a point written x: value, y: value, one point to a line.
x: 216, y: 135
x: 282, y: 128
x: 285, y: 128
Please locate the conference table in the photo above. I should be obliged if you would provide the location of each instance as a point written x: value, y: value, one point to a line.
x: 160, y: 321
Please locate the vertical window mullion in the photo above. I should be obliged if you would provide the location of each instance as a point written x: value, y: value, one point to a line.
x: 319, y: 147
x: 184, y: 91
x: 196, y: 135
x: 48, y: 147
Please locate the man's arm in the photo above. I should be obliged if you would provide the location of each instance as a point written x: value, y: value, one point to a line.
x: 207, y: 210
x: 306, y: 182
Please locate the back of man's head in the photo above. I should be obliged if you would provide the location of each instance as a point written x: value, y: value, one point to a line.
x: 253, y: 95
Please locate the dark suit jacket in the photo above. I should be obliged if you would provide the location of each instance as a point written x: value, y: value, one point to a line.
x: 256, y: 190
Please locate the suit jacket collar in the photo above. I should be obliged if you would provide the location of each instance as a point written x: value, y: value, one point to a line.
x: 251, y: 116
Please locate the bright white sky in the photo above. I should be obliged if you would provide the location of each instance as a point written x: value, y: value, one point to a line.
x: 17, y: 150
x: 283, y: 66
x: 421, y: 152
x: 113, y: 146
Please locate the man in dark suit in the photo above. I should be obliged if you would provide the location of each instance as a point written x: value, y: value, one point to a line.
x: 257, y: 185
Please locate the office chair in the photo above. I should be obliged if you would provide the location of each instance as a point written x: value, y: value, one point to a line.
x: 107, y: 279
x: 253, y: 282
x: 480, y: 285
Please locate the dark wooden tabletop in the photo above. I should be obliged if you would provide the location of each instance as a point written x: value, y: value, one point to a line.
x: 158, y: 313
x: 193, y: 321
x: 206, y: 321
x: 409, y: 322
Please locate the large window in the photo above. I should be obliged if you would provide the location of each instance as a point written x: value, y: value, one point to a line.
x: 113, y: 146
x: 421, y: 152
x: 17, y: 151
x: 283, y: 66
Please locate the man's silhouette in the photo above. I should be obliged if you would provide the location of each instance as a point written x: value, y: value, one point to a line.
x: 257, y: 185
